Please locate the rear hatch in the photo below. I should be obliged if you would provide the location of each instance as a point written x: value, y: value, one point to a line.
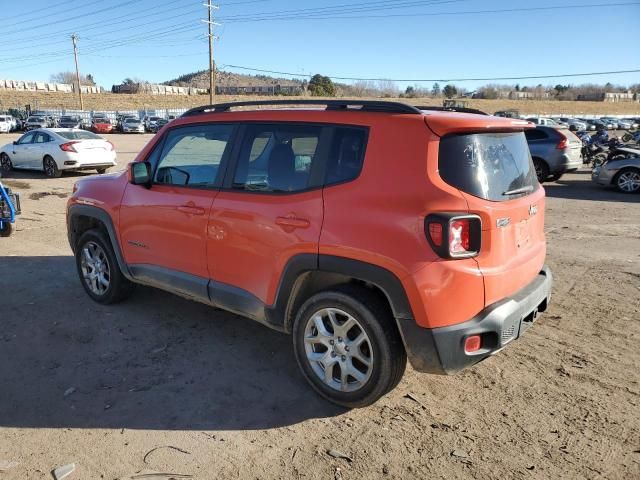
x: 573, y: 147
x: 494, y: 173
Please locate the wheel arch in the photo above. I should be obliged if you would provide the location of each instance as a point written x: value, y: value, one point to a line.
x: 81, y: 218
x: 308, y: 274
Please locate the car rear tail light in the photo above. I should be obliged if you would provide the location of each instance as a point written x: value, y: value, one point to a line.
x: 472, y: 343
x: 452, y: 235
x: 68, y: 147
x: 111, y: 145
x: 562, y: 144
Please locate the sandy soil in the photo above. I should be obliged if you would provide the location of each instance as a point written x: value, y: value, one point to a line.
x: 103, y: 387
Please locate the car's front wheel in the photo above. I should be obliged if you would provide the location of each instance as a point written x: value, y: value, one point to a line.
x: 348, y: 346
x: 628, y: 180
x: 50, y: 167
x: 98, y: 269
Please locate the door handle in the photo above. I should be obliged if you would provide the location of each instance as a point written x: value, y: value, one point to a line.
x: 191, y: 210
x: 290, y: 222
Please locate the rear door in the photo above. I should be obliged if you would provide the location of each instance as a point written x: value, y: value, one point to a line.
x: 495, y: 174
x: 269, y: 210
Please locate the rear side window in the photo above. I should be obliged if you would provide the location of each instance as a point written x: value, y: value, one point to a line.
x: 277, y: 158
x: 493, y: 166
x: 346, y: 155
x: 535, y: 134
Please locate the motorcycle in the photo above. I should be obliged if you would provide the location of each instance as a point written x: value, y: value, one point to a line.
x: 631, y: 137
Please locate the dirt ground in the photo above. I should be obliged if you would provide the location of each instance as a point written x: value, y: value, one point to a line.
x: 218, y: 396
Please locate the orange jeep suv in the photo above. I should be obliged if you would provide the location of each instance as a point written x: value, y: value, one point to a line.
x: 371, y: 231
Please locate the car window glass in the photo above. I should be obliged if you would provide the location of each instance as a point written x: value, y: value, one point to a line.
x: 191, y: 156
x: 41, y: 138
x: 26, y: 138
x: 276, y: 158
x: 346, y: 155
x: 535, y: 134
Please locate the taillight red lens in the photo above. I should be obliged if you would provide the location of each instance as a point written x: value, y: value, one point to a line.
x: 562, y: 144
x: 472, y: 343
x: 435, y: 232
x: 459, y: 236
x: 68, y: 147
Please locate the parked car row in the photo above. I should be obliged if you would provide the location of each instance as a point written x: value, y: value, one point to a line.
x: 577, y: 124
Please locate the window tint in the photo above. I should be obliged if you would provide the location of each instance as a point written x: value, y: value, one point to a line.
x: 276, y: 158
x: 191, y: 156
x: 535, y: 134
x: 346, y: 155
x: 28, y: 138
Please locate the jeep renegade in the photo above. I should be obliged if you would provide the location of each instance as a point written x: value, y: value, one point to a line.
x: 371, y: 231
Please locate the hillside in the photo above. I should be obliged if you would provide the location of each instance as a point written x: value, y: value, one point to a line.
x: 112, y: 101
x: 228, y: 79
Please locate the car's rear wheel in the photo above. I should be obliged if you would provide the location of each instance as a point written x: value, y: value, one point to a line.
x: 98, y: 269
x: 542, y: 169
x: 348, y: 347
x: 5, y: 163
x: 50, y: 167
x: 628, y: 180
x: 555, y: 177
x: 101, y: 170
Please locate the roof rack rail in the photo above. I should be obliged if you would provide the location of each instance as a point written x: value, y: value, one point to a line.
x: 359, y: 105
x: 454, y: 109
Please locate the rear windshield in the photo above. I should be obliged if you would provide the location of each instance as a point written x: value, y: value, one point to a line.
x: 35, y: 119
x: 493, y: 166
x: 79, y: 135
x: 131, y: 120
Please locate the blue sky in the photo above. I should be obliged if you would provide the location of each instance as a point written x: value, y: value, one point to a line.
x: 157, y: 40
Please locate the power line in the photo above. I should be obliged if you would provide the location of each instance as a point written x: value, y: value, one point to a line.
x: 332, y: 15
x: 419, y: 80
x: 212, y: 66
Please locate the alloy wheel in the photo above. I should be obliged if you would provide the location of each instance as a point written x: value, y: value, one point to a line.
x: 49, y: 167
x: 629, y: 181
x: 95, y: 268
x: 338, y: 349
x: 5, y: 163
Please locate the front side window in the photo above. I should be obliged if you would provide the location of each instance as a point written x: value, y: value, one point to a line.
x: 277, y: 158
x: 28, y: 138
x: 191, y: 156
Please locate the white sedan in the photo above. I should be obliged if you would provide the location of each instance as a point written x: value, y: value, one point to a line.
x: 56, y: 149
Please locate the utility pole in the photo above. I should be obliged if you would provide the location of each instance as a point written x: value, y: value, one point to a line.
x: 74, y: 39
x: 212, y: 66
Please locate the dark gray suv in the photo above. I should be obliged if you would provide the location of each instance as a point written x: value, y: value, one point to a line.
x: 554, y: 150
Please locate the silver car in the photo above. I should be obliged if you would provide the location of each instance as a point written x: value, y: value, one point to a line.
x: 132, y: 125
x: 554, y: 150
x: 624, y: 173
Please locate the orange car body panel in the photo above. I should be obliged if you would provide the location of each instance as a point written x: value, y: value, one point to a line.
x: 377, y: 218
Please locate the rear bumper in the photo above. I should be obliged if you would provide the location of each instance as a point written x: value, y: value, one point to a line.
x: 441, y: 350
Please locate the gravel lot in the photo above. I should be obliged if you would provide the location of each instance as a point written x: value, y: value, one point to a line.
x: 221, y: 396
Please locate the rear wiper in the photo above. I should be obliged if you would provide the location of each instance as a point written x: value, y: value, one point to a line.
x: 516, y: 191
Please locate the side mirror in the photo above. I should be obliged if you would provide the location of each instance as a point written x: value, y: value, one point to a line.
x: 140, y: 173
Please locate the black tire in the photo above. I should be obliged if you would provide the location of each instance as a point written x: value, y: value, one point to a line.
x: 634, y: 172
x: 120, y: 288
x: 375, y: 319
x: 6, y: 229
x: 101, y: 170
x: 542, y: 169
x: 627, y: 137
x: 5, y: 163
x: 50, y: 167
x: 555, y: 177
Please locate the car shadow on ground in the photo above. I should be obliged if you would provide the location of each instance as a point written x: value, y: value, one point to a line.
x: 587, y: 190
x: 155, y: 361
x: 21, y: 174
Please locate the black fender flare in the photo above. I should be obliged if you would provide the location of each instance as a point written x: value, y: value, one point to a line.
x: 278, y: 313
x: 103, y: 217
